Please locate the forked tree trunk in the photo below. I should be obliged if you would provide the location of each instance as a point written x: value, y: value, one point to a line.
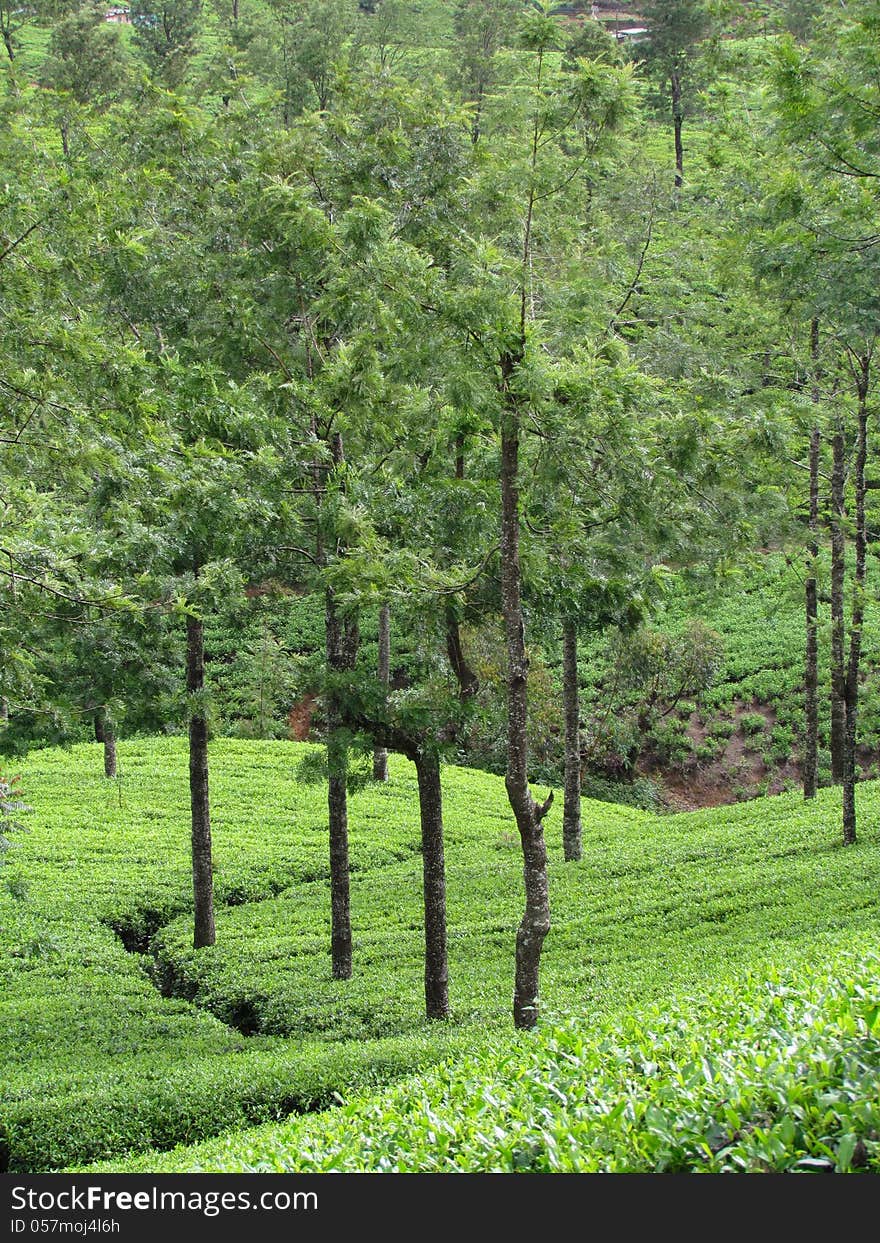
x: 858, y: 615
x: 380, y: 754
x: 202, y: 867
x: 811, y: 602
x: 571, y: 814
x: 677, y: 120
x: 838, y: 673
x: 434, y: 873
x: 535, y: 923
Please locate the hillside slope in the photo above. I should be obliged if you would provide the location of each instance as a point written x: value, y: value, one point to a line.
x: 96, y: 1061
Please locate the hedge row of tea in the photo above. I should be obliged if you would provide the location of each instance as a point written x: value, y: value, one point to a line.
x: 107, y: 1050
x: 771, y: 1072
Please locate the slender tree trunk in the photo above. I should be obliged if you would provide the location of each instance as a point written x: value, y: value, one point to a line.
x: 337, y: 806
x: 202, y: 867
x: 858, y: 615
x: 571, y: 815
x: 4, y: 709
x: 838, y: 675
x: 109, y: 749
x: 677, y: 118
x: 811, y: 669
x: 535, y: 923
x: 104, y: 733
x: 478, y: 117
x: 434, y: 870
x: 468, y: 682
x: 811, y: 605
x: 380, y: 754
x: 342, y: 642
x: 10, y: 47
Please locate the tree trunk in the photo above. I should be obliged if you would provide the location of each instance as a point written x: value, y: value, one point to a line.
x: 104, y: 733
x: 337, y: 807
x: 858, y: 615
x: 468, y: 682
x: 838, y: 675
x: 10, y: 47
x: 380, y: 754
x: 434, y: 871
x: 109, y: 749
x: 571, y: 815
x: 535, y: 923
x: 202, y: 867
x: 342, y: 644
x: 477, y: 122
x: 811, y: 606
x: 811, y: 669
x: 677, y: 118
x: 4, y: 709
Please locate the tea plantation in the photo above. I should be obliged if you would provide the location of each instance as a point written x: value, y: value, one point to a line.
x: 656, y: 1051
x: 743, y: 735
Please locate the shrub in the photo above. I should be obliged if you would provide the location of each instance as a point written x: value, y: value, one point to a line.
x: 768, y: 1072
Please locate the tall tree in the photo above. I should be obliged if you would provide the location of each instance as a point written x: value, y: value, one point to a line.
x: 539, y: 166
x: 481, y: 28
x: 676, y: 28
x: 164, y: 32
x: 828, y: 107
x: 860, y: 361
x: 571, y: 813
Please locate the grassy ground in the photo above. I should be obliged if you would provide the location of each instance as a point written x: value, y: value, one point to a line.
x: 97, y: 1063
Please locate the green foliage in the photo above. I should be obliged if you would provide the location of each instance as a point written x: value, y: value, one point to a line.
x: 85, y: 57
x: 164, y: 33
x: 96, y: 1062
x: 752, y: 723
x: 770, y: 1072
x: 297, y: 231
x: 756, y: 687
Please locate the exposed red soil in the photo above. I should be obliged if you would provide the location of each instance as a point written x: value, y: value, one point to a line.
x: 739, y: 772
x: 299, y: 719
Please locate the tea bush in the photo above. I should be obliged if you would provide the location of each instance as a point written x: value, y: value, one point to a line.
x: 96, y: 1063
x: 770, y: 1071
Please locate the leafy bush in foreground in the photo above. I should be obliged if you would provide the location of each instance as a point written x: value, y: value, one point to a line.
x: 765, y: 1074
x: 96, y: 1063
